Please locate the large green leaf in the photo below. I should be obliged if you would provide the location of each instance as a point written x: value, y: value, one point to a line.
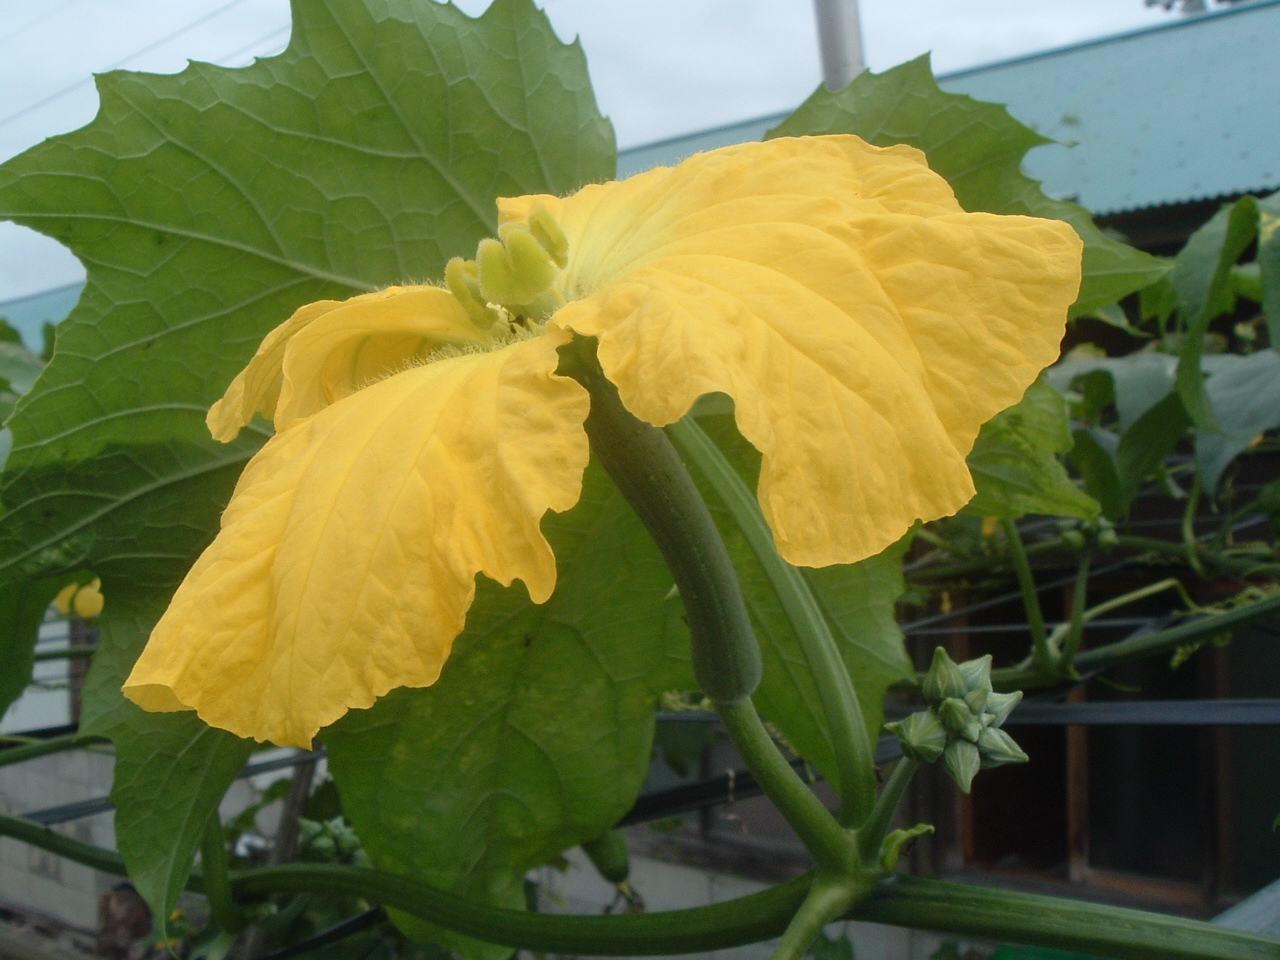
x: 171, y: 770
x: 1015, y: 465
x: 209, y: 204
x: 979, y: 148
x: 1201, y: 279
x: 857, y: 601
x: 539, y: 732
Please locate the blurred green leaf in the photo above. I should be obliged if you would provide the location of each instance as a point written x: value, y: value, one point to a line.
x: 1015, y: 465
x: 1201, y: 277
x: 979, y: 148
x: 1245, y: 394
x: 1268, y: 261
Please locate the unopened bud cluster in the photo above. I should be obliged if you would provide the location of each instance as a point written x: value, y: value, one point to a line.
x: 961, y: 725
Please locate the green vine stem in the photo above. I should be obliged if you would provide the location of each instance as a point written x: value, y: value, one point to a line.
x: 850, y: 742
x: 43, y: 748
x: 830, y: 846
x: 906, y: 902
x: 216, y: 879
x: 873, y: 832
x: 1042, y: 655
x: 1189, y: 543
x: 1075, y: 626
x: 1196, y: 630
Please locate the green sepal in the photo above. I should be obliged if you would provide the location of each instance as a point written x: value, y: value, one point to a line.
x: 996, y: 748
x: 959, y: 720
x: 999, y: 706
x: 943, y: 679
x: 962, y: 761
x: 977, y: 674
x: 922, y: 736
x: 895, y: 842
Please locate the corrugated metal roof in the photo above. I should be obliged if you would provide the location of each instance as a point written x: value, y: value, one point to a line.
x: 1188, y: 110
x: 29, y: 314
x: 1185, y: 110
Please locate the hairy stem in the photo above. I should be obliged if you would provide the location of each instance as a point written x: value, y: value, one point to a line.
x: 42, y: 748
x: 829, y: 845
x: 850, y: 742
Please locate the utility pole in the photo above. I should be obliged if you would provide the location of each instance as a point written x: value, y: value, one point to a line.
x: 840, y: 41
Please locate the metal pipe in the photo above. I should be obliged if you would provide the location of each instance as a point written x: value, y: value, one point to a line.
x: 840, y: 41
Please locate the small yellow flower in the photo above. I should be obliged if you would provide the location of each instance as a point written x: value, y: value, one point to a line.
x: 864, y: 325
x: 85, y: 601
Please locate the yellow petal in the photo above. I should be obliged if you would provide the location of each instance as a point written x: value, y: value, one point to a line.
x: 864, y: 325
x: 347, y: 558
x: 329, y: 349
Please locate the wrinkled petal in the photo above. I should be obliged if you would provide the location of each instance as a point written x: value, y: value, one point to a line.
x: 347, y: 558
x: 864, y: 325
x: 329, y: 349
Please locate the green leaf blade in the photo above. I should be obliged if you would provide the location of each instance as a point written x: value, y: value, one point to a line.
x: 210, y: 204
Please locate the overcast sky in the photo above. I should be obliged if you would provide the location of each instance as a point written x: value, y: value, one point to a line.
x: 660, y: 67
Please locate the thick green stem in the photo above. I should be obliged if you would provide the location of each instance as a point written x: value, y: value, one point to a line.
x: 726, y: 656
x: 650, y: 474
x: 1060, y: 924
x: 850, y: 742
x: 1075, y: 626
x: 873, y: 832
x: 42, y: 748
x: 998, y: 915
x: 1042, y: 655
x: 826, y: 903
x: 829, y: 845
x: 217, y: 881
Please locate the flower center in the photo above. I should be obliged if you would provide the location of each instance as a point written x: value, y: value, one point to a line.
x: 514, y: 281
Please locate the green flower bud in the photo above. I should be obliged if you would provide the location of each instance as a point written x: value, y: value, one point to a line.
x: 962, y: 761
x: 922, y: 736
x: 999, y: 706
x: 997, y: 747
x: 943, y: 679
x: 1073, y: 539
x: 977, y: 674
x: 959, y: 720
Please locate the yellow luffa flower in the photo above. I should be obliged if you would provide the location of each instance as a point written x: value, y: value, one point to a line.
x: 863, y: 323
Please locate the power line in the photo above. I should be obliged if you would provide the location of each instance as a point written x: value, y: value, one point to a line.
x: 41, y: 18
x: 119, y: 63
